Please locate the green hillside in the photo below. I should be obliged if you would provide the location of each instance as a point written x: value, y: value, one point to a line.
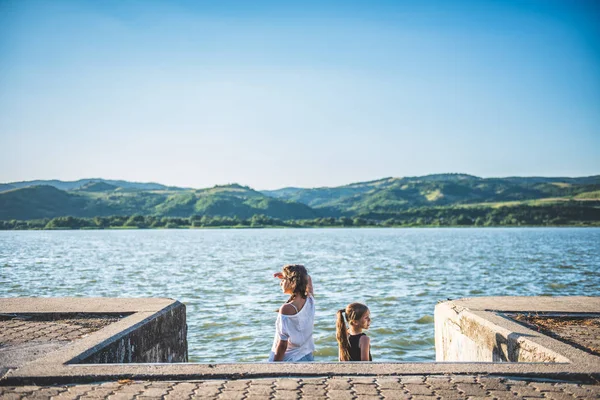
x: 408, y: 199
x: 102, y: 199
x: 397, y: 194
x: 39, y: 202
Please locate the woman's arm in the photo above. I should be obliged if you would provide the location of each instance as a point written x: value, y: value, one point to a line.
x: 281, y: 348
x: 365, y: 347
x: 309, y: 287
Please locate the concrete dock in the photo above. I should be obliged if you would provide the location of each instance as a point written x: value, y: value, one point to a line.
x: 500, y: 347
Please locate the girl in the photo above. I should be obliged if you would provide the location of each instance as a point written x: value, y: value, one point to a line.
x: 357, y: 345
x: 294, y: 326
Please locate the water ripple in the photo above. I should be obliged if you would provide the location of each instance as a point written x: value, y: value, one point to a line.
x: 224, y: 277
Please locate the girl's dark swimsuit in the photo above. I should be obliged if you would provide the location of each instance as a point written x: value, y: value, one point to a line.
x: 354, y: 349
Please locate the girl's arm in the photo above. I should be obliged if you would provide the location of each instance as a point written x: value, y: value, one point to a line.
x: 309, y: 287
x: 281, y: 348
x: 285, y: 309
x: 365, y: 346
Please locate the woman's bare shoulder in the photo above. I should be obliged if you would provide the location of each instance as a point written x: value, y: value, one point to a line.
x: 287, y: 309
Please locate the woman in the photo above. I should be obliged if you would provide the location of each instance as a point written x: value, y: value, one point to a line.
x: 293, y: 341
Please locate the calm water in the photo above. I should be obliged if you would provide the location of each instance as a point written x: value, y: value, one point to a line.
x: 224, y: 277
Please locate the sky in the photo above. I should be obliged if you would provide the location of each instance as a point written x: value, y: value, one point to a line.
x: 273, y: 94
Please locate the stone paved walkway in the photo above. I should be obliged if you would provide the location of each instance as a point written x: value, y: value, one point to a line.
x: 454, y: 387
x: 24, y: 329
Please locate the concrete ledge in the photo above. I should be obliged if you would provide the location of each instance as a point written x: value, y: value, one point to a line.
x: 472, y: 330
x: 481, y: 330
x: 147, y: 330
x: 175, y: 372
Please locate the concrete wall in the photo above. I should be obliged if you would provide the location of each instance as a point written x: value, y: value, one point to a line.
x: 462, y: 334
x: 160, y: 338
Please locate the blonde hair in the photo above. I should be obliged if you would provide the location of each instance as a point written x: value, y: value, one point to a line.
x: 354, y: 312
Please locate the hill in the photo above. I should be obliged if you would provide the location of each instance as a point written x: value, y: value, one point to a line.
x: 391, y: 195
x: 101, y: 199
x: 97, y: 187
x: 72, y: 185
x: 377, y: 200
x: 38, y: 202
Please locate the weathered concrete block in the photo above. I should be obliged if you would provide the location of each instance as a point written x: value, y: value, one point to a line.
x: 161, y: 338
x: 478, y: 330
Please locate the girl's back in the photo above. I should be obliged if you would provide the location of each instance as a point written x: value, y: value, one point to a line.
x: 355, y: 347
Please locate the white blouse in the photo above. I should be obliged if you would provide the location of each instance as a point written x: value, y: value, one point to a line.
x: 297, y: 329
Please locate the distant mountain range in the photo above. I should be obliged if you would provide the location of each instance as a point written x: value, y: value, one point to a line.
x: 379, y: 199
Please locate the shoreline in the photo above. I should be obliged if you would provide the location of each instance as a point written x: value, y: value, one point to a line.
x: 132, y: 228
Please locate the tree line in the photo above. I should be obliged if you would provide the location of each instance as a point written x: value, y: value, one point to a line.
x: 521, y: 215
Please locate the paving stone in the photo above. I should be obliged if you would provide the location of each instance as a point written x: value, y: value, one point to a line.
x: 437, y: 380
x: 231, y: 395
x: 204, y: 397
x: 314, y: 381
x: 394, y: 394
x: 389, y: 383
x: 287, y: 384
x: 212, y: 383
x: 365, y: 381
x: 154, y: 392
x: 584, y: 392
x: 515, y: 383
x: 177, y: 396
x: 338, y: 384
x: 161, y: 384
x: 413, y: 379
x: 206, y: 391
x: 471, y: 389
x: 64, y: 396
x: 134, y: 387
x: 526, y: 391
x: 260, y: 390
x: 366, y: 390
x: 463, y: 379
x: 46, y: 392
x: 449, y: 392
x: 494, y: 385
x: 121, y: 396
x: 286, y: 394
x: 262, y: 382
x: 558, y: 396
x: 544, y: 386
x: 182, y: 388
x: 418, y: 389
x: 336, y: 394
x: 313, y: 390
x: 453, y: 396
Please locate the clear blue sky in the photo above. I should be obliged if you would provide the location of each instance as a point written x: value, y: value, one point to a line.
x: 297, y: 93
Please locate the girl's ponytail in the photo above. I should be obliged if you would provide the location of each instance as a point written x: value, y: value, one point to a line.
x: 341, y: 334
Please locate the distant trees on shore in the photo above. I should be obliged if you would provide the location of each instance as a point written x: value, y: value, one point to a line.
x: 520, y: 215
